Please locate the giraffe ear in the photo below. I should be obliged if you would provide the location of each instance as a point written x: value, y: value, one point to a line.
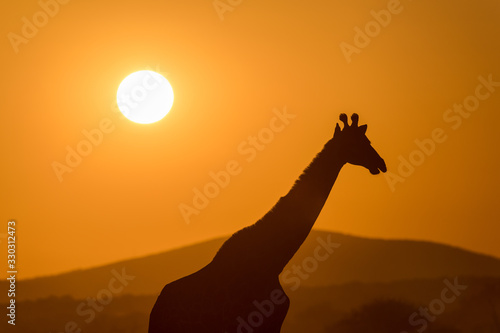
x: 337, y: 129
x: 363, y: 128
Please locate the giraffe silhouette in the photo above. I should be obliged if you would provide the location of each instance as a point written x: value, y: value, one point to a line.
x: 239, y: 290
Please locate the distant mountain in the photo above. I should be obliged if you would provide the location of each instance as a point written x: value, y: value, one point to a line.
x: 352, y: 259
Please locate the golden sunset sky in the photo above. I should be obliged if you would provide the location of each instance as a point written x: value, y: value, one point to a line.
x: 232, y: 70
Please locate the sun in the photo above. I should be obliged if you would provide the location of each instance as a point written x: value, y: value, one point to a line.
x: 145, y: 97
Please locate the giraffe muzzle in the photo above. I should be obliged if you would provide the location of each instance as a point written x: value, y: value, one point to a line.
x: 380, y: 167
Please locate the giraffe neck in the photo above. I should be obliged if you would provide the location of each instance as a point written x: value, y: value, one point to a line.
x: 311, y: 190
x: 269, y: 244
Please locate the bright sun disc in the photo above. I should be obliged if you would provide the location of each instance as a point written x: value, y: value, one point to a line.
x: 145, y: 97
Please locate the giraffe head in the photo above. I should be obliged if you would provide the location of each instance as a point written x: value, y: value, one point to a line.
x: 354, y: 146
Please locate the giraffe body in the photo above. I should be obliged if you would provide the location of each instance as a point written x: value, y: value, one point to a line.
x: 207, y: 301
x: 239, y: 291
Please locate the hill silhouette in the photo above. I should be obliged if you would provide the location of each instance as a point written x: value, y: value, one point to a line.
x: 355, y: 259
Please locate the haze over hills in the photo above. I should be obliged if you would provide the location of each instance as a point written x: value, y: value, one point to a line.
x: 352, y: 259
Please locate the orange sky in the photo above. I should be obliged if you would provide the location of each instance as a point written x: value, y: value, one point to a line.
x: 228, y: 76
